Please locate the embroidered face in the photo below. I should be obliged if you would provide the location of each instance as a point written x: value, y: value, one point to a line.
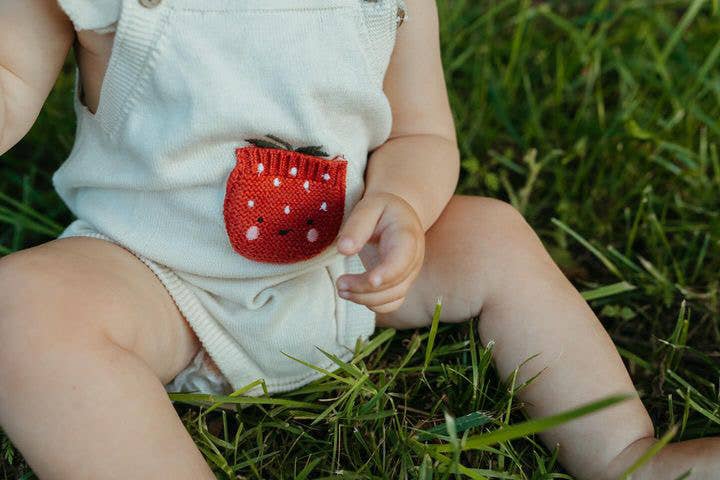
x: 283, y: 206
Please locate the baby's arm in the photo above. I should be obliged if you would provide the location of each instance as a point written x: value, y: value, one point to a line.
x: 35, y: 36
x: 411, y: 177
x: 420, y: 160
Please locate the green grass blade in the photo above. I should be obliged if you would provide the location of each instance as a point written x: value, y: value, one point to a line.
x: 650, y: 453
x: 608, y: 291
x: 531, y: 427
x: 433, y: 331
x: 603, y: 259
x: 685, y: 22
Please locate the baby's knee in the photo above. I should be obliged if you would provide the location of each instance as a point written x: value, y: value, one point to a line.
x: 21, y: 279
x: 29, y: 286
x: 488, y: 216
x: 494, y: 235
x: 492, y: 209
x: 496, y: 250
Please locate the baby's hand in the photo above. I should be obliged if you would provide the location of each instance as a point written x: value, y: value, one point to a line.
x: 393, y: 225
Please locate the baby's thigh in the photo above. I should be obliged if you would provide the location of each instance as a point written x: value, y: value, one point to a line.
x: 81, y: 291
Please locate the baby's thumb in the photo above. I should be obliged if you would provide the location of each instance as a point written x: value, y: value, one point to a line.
x: 359, y: 226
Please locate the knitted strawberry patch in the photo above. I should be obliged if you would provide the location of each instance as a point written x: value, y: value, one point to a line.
x: 283, y: 205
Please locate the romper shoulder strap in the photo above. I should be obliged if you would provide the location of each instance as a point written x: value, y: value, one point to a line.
x: 139, y: 32
x: 382, y: 19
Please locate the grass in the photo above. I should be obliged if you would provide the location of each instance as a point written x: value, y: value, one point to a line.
x: 600, y: 121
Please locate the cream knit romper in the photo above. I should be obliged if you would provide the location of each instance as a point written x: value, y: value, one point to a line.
x: 241, y: 233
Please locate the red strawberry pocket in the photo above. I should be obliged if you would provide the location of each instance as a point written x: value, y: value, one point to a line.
x: 283, y: 206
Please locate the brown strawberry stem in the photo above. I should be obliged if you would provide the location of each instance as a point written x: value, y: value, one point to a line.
x: 260, y: 143
x: 278, y: 143
x: 316, y: 151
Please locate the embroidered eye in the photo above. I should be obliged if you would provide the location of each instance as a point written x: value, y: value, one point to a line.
x: 260, y: 220
x: 309, y: 221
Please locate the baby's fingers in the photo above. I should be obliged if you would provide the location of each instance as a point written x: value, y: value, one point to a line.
x: 360, y: 226
x: 377, y: 299
x: 400, y: 255
x: 388, y: 307
x: 400, y: 252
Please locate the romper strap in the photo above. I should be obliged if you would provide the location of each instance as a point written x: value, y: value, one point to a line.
x: 382, y: 19
x: 134, y: 52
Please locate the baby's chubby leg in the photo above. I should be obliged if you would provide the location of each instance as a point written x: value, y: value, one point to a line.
x: 482, y: 257
x: 88, y: 336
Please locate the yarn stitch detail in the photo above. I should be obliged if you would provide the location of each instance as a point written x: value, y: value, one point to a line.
x: 283, y: 206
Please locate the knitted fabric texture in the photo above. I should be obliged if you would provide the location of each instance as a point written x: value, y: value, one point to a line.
x: 282, y: 206
x: 157, y: 169
x: 381, y: 19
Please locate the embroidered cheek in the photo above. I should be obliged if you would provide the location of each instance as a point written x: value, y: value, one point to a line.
x: 252, y: 233
x: 312, y: 235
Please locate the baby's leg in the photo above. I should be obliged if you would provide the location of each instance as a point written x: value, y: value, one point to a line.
x: 483, y: 258
x: 88, y: 336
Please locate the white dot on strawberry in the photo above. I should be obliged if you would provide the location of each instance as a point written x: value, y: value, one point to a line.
x: 323, y: 207
x: 252, y: 233
x: 287, y: 209
x: 306, y: 185
x: 260, y: 167
x: 293, y: 171
x: 251, y: 203
x: 276, y: 182
x: 312, y: 235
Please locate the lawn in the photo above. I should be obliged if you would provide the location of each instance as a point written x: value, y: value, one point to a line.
x: 600, y: 121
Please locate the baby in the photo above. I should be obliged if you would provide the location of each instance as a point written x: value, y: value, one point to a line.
x: 255, y: 178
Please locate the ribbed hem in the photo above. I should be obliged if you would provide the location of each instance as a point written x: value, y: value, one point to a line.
x: 290, y: 164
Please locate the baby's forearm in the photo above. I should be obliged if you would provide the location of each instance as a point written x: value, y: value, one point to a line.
x: 7, y: 133
x: 10, y: 132
x: 2, y: 120
x: 422, y: 169
x: 35, y: 36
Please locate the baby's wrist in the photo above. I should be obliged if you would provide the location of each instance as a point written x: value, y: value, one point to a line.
x: 395, y: 197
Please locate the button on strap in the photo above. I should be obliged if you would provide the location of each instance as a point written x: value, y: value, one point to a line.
x: 400, y: 16
x: 401, y: 13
